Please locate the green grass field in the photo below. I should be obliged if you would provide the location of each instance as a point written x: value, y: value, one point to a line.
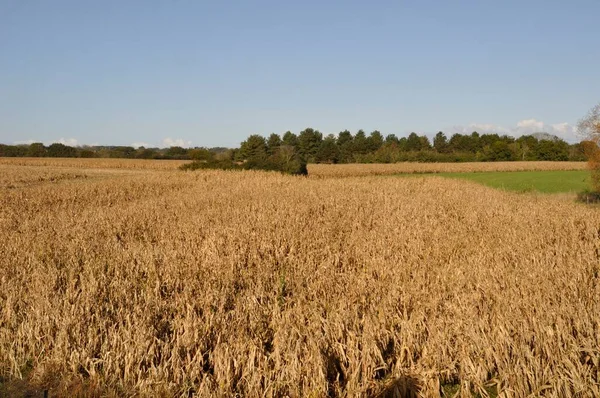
x: 530, y: 181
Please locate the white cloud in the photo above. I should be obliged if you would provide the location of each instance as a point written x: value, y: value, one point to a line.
x: 481, y: 128
x: 530, y: 126
x: 169, y: 142
x: 139, y: 144
x: 25, y: 142
x: 530, y: 123
x: 485, y: 128
x: 563, y: 130
x: 64, y: 141
x: 67, y: 141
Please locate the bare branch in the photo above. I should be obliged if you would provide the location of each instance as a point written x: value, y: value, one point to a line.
x: 588, y: 128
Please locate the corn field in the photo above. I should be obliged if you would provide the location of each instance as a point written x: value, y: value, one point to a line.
x: 148, y: 281
x: 315, y: 170
x: 355, y: 170
x: 96, y: 164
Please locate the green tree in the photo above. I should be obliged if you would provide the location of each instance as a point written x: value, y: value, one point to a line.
x: 391, y: 139
x: 254, y: 148
x: 551, y: 150
x: 289, y: 161
x: 328, y: 150
x: 58, y: 150
x: 475, y: 142
x: 577, y: 152
x: 440, y: 142
x: 146, y: 153
x: 290, y: 139
x: 273, y: 143
x: 375, y: 141
x: 467, y: 143
x: 176, y: 152
x: 499, y: 150
x: 487, y: 140
x: 526, y: 145
x: 13, y: 150
x: 127, y: 152
x: 36, y: 150
x: 403, y: 144
x: 361, y: 145
x: 344, y: 137
x: 413, y: 142
x: 87, y: 153
x: 309, y: 141
x: 425, y: 144
x: 201, y: 154
x: 345, y: 143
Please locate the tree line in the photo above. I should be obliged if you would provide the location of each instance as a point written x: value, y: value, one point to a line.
x: 58, y: 150
x: 312, y: 146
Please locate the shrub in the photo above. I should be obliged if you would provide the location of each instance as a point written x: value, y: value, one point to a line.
x: 588, y: 197
x: 285, y: 160
x: 211, y: 164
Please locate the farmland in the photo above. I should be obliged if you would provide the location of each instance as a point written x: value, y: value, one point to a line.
x: 123, y: 278
x: 555, y: 181
x: 357, y: 170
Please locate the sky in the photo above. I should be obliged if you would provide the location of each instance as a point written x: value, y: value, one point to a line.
x: 210, y: 73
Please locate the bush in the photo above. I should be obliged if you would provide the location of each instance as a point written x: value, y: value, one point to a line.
x: 211, y: 164
x: 588, y: 197
x: 285, y: 160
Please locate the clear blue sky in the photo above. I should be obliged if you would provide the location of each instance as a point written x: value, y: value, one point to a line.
x: 211, y: 73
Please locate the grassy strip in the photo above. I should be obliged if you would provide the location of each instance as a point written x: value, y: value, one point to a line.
x: 558, y: 181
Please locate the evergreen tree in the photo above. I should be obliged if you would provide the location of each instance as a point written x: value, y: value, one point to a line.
x: 440, y: 142
x: 328, y: 150
x: 273, y: 143
x: 361, y: 145
x: 254, y: 148
x: 375, y: 141
x: 309, y: 141
x: 290, y: 139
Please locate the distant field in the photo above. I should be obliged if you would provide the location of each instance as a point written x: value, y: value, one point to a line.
x: 96, y: 164
x: 314, y: 170
x: 357, y: 170
x: 523, y: 181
